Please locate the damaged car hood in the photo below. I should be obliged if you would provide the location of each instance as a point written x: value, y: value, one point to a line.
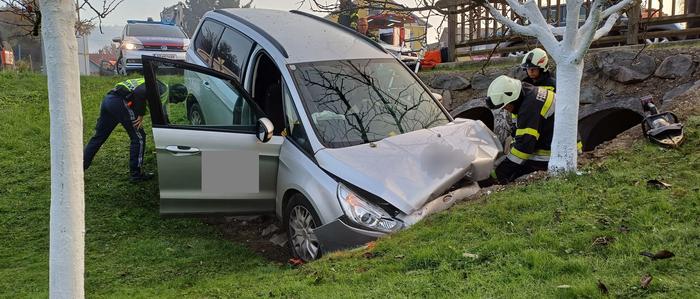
x: 409, y: 169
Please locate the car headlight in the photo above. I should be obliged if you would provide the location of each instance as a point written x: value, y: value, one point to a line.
x: 132, y: 46
x: 365, y: 213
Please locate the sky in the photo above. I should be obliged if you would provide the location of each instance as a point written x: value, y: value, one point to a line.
x: 142, y: 9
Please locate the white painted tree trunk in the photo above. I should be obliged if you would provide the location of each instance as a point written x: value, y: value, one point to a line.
x: 564, y: 151
x: 67, y: 222
x: 568, y: 54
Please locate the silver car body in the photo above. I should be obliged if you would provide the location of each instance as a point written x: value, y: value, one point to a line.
x: 416, y: 173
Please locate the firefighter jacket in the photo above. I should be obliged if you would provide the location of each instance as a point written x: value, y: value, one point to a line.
x: 535, y: 125
x: 546, y: 81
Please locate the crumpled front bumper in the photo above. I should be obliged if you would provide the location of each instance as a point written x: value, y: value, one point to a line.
x: 339, y: 234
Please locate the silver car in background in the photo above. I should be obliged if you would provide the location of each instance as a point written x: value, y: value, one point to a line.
x: 294, y: 115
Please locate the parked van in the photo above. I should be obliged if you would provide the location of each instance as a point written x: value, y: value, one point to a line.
x: 292, y: 114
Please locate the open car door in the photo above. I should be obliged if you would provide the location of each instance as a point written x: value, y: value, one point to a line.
x: 209, y: 163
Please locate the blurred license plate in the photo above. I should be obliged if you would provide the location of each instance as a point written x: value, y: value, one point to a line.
x: 168, y: 56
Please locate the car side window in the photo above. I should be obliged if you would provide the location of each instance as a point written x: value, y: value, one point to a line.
x: 295, y: 129
x: 206, y: 39
x: 232, y: 53
x: 197, y: 100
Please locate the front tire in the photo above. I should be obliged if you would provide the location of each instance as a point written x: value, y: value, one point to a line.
x: 121, y: 68
x: 195, y: 115
x: 301, y: 219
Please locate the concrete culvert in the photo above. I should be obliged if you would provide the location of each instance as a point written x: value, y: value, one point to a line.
x: 478, y: 113
x: 605, y: 125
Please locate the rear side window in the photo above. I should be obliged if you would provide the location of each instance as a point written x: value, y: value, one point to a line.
x: 206, y: 39
x: 232, y: 53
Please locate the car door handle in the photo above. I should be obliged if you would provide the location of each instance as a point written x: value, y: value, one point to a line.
x: 181, y: 149
x: 206, y: 84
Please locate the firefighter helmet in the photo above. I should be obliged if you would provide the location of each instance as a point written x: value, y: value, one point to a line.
x: 535, y: 58
x: 502, y: 91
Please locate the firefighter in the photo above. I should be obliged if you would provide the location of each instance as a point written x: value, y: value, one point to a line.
x: 530, y: 149
x: 535, y: 64
x: 125, y: 104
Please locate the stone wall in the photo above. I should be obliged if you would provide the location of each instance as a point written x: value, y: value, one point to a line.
x: 614, y: 80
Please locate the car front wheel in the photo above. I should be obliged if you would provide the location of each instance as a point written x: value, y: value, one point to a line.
x: 301, y: 220
x: 195, y: 115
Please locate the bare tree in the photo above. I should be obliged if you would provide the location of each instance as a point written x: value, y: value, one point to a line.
x: 568, y: 55
x: 31, y: 14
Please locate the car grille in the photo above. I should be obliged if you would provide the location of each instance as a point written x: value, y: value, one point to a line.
x: 160, y: 48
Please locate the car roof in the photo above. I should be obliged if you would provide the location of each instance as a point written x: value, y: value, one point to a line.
x: 306, y: 38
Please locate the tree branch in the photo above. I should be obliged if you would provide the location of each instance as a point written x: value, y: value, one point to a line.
x: 521, y: 29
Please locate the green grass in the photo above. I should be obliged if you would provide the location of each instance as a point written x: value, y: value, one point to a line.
x: 529, y: 239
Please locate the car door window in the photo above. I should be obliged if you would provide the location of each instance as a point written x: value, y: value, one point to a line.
x: 207, y: 37
x: 294, y: 128
x: 232, y: 53
x: 197, y: 100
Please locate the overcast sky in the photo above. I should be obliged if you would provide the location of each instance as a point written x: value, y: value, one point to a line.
x: 142, y: 9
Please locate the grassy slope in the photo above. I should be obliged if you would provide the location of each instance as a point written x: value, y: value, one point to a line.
x: 523, y: 250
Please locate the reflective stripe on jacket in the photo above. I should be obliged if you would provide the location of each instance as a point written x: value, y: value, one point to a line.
x: 535, y: 125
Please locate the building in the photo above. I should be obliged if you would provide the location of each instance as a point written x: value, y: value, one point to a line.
x: 392, y: 27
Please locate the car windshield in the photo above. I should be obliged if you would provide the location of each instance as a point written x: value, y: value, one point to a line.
x: 155, y: 30
x: 353, y: 102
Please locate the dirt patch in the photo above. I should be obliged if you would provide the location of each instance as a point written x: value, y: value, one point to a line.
x: 248, y: 231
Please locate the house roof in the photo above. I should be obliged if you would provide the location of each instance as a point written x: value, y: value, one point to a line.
x: 97, y: 58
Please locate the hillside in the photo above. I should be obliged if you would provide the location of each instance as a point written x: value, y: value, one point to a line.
x: 555, y: 237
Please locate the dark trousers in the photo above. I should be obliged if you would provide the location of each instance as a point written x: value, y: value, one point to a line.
x: 114, y: 111
x: 508, y: 171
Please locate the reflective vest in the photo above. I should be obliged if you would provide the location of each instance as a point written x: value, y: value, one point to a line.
x: 130, y: 85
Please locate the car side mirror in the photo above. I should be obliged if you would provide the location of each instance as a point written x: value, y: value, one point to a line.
x: 117, y: 40
x: 265, y: 129
x: 437, y: 96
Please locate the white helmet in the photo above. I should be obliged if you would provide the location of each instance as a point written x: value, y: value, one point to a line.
x: 535, y: 58
x: 502, y: 91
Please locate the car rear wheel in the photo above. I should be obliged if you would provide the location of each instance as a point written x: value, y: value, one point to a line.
x: 515, y: 53
x: 301, y: 220
x: 656, y: 40
x: 195, y: 115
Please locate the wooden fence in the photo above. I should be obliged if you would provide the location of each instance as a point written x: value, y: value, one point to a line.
x: 475, y: 33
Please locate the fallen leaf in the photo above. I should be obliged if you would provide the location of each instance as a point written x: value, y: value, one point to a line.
x: 368, y: 255
x: 645, y: 281
x: 295, y: 262
x: 564, y: 286
x: 470, y: 255
x: 658, y: 184
x: 663, y: 254
x: 603, y: 289
x: 603, y: 241
x: 371, y: 245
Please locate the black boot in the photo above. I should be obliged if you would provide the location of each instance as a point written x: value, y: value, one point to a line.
x: 140, y: 177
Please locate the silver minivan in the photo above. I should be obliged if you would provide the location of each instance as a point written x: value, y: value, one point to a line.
x: 291, y: 114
